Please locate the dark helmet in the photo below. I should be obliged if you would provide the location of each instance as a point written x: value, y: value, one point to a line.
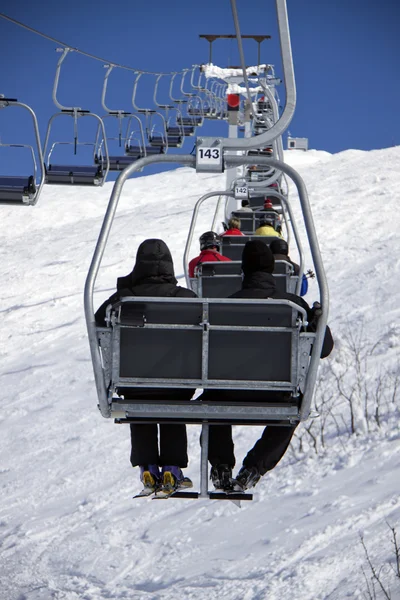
x: 210, y: 239
x: 279, y: 246
x: 267, y: 219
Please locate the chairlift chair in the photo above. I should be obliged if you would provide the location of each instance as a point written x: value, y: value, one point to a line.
x: 222, y: 279
x: 189, y: 119
x: 210, y: 343
x: 136, y: 146
x: 61, y: 174
x: 173, y: 135
x: 216, y: 104
x: 23, y: 190
x: 157, y: 136
x: 120, y: 161
x: 183, y: 125
x: 198, y: 109
x: 94, y: 174
x: 174, y: 343
x: 178, y: 128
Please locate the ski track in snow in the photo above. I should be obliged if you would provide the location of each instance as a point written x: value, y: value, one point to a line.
x: 69, y: 529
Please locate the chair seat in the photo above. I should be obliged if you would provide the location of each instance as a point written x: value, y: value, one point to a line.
x: 17, y: 190
x: 139, y: 152
x: 194, y: 121
x: 118, y: 163
x: 14, y: 183
x: 177, y: 345
x: 178, y: 131
x: 74, y: 174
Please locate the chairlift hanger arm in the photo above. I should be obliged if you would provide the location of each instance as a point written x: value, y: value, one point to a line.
x: 118, y: 112
x: 165, y: 107
x: 179, y: 100
x: 184, y: 73
x: 275, y: 113
x: 221, y: 93
x: 65, y: 52
x: 266, y: 138
x: 198, y: 86
x: 134, y: 91
x: 141, y: 132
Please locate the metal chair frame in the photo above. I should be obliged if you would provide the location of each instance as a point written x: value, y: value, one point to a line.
x: 149, y: 115
x: 23, y: 190
x: 75, y: 113
x: 200, y: 412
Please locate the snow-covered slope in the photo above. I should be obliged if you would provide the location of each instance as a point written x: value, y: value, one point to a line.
x: 68, y: 527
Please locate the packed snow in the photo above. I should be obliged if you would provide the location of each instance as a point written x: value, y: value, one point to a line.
x: 211, y: 70
x: 69, y: 528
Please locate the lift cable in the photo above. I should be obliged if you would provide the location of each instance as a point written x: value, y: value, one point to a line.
x: 103, y: 60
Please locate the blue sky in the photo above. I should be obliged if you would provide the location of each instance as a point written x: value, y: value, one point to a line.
x: 345, y: 55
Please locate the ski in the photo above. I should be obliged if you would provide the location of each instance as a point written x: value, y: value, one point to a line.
x: 150, y: 485
x: 145, y: 492
x: 168, y: 490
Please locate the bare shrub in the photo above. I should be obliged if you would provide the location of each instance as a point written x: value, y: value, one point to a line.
x: 377, y: 579
x: 353, y: 395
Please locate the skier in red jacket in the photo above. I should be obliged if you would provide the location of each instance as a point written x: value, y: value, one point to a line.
x: 210, y: 243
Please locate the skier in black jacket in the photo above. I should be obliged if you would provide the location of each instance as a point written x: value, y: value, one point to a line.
x: 153, y: 275
x: 258, y: 282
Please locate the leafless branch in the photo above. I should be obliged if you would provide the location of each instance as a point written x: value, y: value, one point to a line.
x: 375, y: 574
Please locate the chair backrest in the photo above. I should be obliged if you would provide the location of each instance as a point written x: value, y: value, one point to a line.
x: 232, y: 245
x: 247, y: 222
x: 215, y: 268
x: 258, y: 202
x: 218, y: 279
x: 212, y: 344
x: 250, y: 221
x: 285, y: 278
x: 222, y: 279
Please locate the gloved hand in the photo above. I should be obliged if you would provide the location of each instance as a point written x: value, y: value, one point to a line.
x: 314, y: 314
x: 316, y: 309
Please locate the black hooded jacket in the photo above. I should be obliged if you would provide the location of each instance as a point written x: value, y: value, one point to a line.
x: 262, y: 285
x: 152, y: 275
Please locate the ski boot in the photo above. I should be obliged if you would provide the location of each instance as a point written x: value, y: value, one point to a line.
x: 150, y: 477
x: 246, y: 478
x: 221, y: 476
x: 172, y: 480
